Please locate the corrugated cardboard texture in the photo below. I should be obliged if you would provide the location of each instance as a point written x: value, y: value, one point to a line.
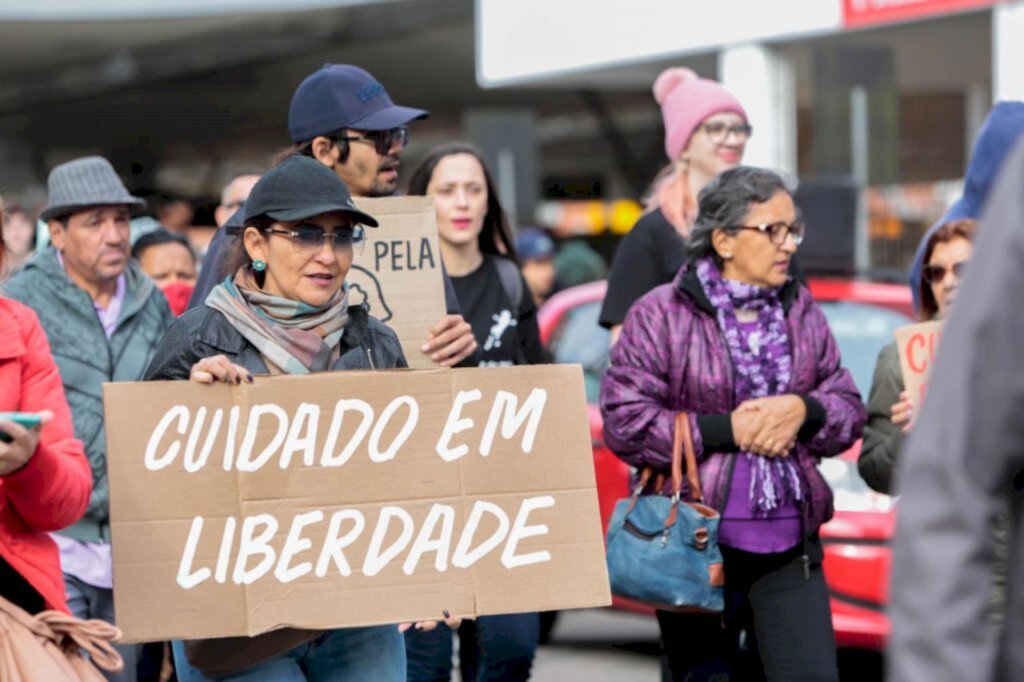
x: 152, y: 508
x: 398, y: 273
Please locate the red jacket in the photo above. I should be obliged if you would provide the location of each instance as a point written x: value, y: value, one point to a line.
x: 52, y: 490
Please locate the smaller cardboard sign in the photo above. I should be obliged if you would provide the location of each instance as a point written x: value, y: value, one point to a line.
x: 398, y: 274
x: 917, y: 345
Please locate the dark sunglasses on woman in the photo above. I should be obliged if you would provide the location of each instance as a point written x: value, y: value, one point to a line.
x: 936, y: 273
x: 308, y: 239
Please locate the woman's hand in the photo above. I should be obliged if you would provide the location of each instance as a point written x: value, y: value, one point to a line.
x: 903, y: 412
x: 427, y: 625
x: 768, y: 426
x: 218, y: 368
x: 16, y: 454
x: 450, y: 341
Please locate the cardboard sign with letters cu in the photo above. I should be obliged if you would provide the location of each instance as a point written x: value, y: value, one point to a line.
x: 398, y: 272
x: 350, y: 499
x: 917, y: 345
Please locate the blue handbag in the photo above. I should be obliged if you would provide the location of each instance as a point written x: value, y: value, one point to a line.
x: 662, y: 550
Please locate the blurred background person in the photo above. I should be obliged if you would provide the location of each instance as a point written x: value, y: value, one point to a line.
x: 962, y: 471
x: 175, y: 214
x: 480, y: 256
x: 706, y: 132
x: 170, y: 262
x: 576, y: 262
x: 889, y: 408
x: 1003, y: 126
x: 536, y: 251
x: 740, y: 346
x: 45, y: 479
x: 19, y: 236
x: 233, y: 196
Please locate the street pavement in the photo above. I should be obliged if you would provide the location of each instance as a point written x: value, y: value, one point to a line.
x: 602, y: 645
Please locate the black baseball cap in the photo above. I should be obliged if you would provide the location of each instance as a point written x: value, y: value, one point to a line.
x: 300, y: 187
x: 344, y: 96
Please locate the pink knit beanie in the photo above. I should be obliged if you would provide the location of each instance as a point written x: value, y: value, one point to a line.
x: 686, y: 99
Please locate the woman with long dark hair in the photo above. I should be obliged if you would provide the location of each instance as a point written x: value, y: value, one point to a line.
x: 479, y: 253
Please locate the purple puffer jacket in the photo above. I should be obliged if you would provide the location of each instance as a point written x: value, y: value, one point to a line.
x: 672, y: 356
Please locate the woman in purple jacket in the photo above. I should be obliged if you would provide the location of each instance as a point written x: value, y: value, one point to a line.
x: 740, y: 347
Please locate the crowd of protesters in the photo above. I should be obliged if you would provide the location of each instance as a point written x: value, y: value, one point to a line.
x: 709, y: 317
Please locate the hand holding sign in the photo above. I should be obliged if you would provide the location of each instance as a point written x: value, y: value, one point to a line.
x: 903, y: 412
x: 917, y: 345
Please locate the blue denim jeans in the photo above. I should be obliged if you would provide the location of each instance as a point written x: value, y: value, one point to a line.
x: 491, y: 648
x: 343, y: 655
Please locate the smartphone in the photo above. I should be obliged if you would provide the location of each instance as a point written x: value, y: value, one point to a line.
x: 29, y: 420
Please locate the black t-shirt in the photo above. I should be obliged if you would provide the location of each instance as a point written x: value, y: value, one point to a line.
x: 507, y: 335
x: 14, y: 588
x: 648, y: 256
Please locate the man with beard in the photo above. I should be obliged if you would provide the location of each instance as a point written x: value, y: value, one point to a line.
x: 344, y: 118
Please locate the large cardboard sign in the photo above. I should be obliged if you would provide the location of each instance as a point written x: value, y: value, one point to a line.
x: 398, y: 273
x: 917, y: 345
x: 350, y: 499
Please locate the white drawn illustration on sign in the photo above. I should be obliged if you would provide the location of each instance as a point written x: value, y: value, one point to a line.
x: 356, y: 289
x: 502, y: 322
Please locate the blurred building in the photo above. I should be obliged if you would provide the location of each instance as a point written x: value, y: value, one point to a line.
x: 848, y: 94
x: 873, y: 103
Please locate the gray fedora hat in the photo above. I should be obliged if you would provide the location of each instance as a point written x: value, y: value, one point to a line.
x: 82, y: 183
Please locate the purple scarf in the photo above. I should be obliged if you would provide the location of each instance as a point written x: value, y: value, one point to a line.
x: 763, y: 365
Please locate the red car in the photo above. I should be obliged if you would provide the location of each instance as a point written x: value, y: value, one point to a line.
x: 862, y: 316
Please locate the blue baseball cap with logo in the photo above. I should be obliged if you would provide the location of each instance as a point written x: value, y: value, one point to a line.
x: 344, y: 96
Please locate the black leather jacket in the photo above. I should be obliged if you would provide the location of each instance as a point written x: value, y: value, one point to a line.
x: 203, y: 332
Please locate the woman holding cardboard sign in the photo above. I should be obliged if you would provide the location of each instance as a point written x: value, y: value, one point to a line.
x: 889, y: 406
x: 285, y: 311
x: 744, y: 352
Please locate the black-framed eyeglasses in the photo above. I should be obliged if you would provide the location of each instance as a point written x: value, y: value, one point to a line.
x: 383, y: 140
x: 720, y: 132
x: 309, y: 239
x: 932, y: 274
x: 777, y: 232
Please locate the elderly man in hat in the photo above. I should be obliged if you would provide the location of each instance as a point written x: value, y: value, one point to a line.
x: 103, y: 318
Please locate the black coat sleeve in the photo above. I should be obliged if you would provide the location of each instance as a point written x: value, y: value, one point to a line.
x: 178, y: 349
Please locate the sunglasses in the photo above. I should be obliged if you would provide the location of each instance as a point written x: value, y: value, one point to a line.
x: 383, y: 140
x: 309, y: 239
x: 933, y: 274
x: 777, y: 232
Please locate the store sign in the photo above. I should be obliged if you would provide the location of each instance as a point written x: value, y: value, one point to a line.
x: 858, y: 13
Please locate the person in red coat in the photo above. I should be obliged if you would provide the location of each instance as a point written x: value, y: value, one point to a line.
x: 45, y: 480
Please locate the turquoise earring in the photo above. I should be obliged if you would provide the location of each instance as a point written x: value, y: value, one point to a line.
x: 259, y: 265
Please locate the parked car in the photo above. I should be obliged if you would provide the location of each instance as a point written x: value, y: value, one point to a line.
x: 862, y: 316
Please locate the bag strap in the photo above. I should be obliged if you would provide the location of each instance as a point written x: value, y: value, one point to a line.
x: 94, y: 636
x: 683, y: 442
x: 682, y: 448
x: 511, y: 281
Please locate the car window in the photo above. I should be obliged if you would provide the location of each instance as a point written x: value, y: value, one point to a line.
x: 579, y: 338
x: 861, y: 330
